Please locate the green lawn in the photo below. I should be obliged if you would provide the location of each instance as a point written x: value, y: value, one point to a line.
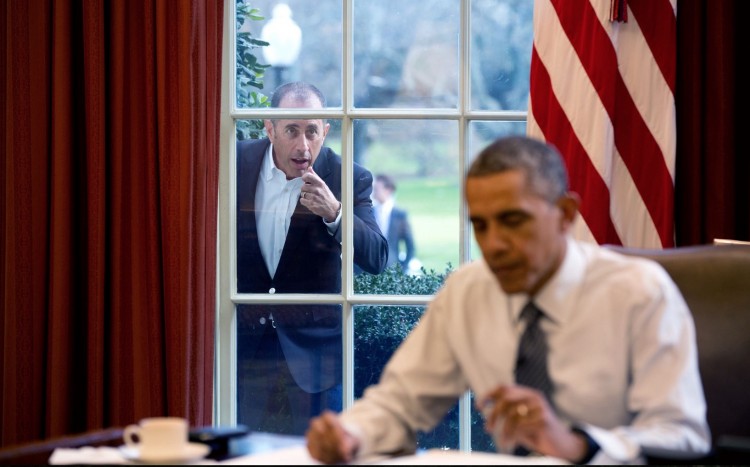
x: 431, y: 201
x: 432, y: 205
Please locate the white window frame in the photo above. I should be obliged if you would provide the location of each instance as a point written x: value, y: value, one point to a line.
x: 225, y: 374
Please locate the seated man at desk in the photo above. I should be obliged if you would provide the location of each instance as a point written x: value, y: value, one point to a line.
x: 572, y: 351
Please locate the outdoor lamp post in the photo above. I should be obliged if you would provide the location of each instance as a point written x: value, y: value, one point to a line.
x: 284, y: 39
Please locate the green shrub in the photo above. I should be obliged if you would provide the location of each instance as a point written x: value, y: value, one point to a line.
x: 380, y: 329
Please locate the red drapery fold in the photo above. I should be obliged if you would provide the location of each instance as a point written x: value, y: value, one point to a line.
x: 110, y: 133
x: 712, y: 199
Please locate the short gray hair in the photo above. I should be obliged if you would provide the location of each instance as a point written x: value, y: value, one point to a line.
x: 541, y: 162
x: 299, y: 90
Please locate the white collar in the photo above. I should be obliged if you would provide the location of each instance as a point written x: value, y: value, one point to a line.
x: 558, y: 296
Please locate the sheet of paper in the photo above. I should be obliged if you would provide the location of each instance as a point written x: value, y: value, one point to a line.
x: 298, y: 455
x: 456, y: 457
x: 294, y: 455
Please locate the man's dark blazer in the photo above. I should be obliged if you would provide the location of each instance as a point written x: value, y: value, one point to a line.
x: 399, y: 229
x: 310, y: 262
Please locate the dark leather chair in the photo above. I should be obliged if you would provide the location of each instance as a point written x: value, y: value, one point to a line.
x: 715, y: 281
x: 39, y: 452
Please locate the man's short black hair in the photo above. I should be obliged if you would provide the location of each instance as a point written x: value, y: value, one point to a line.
x: 541, y: 162
x: 387, y: 181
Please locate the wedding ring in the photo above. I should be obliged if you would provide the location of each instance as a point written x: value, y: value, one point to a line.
x: 522, y: 410
x: 303, y: 195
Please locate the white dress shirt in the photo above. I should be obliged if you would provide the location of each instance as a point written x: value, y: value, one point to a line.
x: 275, y: 200
x: 622, y: 357
x: 383, y: 212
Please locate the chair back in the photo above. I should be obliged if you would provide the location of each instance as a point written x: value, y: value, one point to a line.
x: 715, y: 281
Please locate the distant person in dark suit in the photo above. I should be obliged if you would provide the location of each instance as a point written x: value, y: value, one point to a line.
x: 289, y: 356
x: 393, y: 222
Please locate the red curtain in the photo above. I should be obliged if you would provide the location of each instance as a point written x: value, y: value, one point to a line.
x: 712, y: 186
x: 110, y: 135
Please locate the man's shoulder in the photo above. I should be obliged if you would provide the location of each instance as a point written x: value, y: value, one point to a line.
x: 252, y: 145
x: 329, y: 156
x: 332, y: 157
x: 398, y: 212
x: 607, y: 264
x: 609, y: 255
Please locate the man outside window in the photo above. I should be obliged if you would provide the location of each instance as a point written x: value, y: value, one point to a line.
x: 289, y: 241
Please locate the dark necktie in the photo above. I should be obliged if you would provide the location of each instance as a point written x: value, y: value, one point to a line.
x: 531, y: 364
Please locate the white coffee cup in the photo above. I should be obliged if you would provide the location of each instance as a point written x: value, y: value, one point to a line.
x: 158, y: 437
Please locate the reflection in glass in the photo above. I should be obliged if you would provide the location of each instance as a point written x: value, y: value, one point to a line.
x: 406, y: 54
x: 378, y: 331
x: 289, y: 361
x: 501, y: 41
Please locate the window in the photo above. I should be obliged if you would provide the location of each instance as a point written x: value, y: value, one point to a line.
x: 413, y: 89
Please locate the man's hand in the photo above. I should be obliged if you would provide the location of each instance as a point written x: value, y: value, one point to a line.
x: 317, y: 197
x: 518, y: 415
x: 328, y: 442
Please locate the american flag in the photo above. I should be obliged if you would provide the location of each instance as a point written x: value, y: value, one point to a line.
x: 602, y: 91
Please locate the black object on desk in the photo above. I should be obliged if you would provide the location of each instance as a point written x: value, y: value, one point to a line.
x: 225, y: 442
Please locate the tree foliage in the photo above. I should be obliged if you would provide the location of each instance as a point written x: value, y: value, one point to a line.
x: 250, y: 72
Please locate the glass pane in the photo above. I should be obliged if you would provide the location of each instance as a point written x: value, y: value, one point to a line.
x: 253, y: 129
x: 378, y: 331
x: 418, y: 160
x: 304, y: 43
x: 289, y: 369
x: 406, y: 53
x: 501, y: 41
x: 480, y: 439
x: 481, y: 134
x: 289, y: 356
x: 266, y: 261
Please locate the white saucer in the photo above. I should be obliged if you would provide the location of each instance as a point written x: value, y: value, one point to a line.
x: 192, y: 452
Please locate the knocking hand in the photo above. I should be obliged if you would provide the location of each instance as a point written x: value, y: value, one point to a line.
x: 317, y: 197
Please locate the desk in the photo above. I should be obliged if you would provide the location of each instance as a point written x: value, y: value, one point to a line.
x: 269, y: 449
x: 274, y: 449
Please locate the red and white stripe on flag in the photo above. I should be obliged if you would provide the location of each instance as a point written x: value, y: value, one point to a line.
x: 602, y: 92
